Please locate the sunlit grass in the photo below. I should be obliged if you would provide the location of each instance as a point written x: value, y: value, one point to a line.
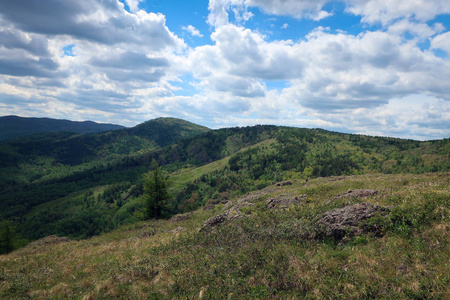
x: 252, y: 257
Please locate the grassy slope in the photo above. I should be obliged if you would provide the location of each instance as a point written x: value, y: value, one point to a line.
x: 178, y: 180
x: 249, y: 259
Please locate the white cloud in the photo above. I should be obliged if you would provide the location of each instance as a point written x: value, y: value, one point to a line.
x: 133, y: 4
x: 442, y: 42
x: 128, y: 67
x: 420, y: 30
x: 311, y: 9
x: 285, y: 26
x: 387, y: 11
x: 192, y: 30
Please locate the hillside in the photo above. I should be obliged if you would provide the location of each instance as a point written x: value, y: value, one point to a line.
x: 276, y: 242
x: 80, y: 186
x: 12, y: 127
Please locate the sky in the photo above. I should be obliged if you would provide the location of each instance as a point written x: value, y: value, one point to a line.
x: 375, y: 67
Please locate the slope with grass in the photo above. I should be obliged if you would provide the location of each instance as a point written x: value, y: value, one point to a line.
x: 266, y: 253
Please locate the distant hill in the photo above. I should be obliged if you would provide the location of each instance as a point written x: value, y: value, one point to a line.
x: 166, y: 131
x: 73, y: 149
x: 13, y: 126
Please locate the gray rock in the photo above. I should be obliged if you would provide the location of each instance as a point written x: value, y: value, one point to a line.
x: 181, y: 217
x: 358, y: 193
x: 347, y: 221
x: 285, y: 202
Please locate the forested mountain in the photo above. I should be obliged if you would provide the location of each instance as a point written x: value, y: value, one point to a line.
x: 82, y: 185
x: 13, y: 126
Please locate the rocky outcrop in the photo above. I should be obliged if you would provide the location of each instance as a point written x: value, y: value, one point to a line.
x: 347, y: 221
x: 181, y: 217
x: 285, y: 202
x: 231, y: 211
x: 240, y: 208
x: 358, y: 193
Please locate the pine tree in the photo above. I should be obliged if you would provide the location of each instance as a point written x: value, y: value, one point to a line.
x: 7, y: 237
x: 156, y: 195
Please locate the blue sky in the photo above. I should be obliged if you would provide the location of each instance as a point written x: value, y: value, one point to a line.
x: 359, y: 66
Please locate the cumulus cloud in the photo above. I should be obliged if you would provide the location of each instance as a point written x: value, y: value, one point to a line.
x: 133, y: 4
x: 114, y: 53
x: 385, y: 12
x: 192, y: 30
x: 103, y: 22
x: 420, y: 30
x: 442, y: 42
x: 311, y: 9
x: 128, y: 66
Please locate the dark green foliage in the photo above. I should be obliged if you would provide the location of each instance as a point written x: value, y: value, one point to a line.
x: 155, y: 194
x: 14, y: 127
x: 8, y: 238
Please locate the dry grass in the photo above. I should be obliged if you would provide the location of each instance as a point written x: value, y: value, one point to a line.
x: 239, y: 260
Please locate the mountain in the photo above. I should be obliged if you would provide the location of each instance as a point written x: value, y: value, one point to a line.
x: 13, y: 126
x: 76, y: 149
x: 83, y: 185
x: 166, y: 131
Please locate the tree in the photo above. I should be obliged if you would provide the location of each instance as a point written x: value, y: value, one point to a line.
x: 155, y: 193
x: 7, y: 237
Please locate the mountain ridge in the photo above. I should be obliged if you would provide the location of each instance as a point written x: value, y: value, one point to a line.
x: 15, y: 126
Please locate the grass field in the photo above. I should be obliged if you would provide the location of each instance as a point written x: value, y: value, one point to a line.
x: 265, y: 255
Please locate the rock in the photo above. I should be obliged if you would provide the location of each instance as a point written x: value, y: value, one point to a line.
x: 214, y: 221
x: 232, y: 210
x: 182, y: 217
x: 332, y: 179
x: 284, y: 202
x: 359, y: 193
x: 209, y: 207
x: 346, y: 221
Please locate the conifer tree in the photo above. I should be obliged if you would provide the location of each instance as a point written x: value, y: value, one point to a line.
x: 156, y: 195
x: 7, y: 237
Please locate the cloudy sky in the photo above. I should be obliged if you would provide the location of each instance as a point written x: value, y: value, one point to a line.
x: 377, y: 67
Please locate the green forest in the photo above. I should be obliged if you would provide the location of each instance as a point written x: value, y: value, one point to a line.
x: 81, y: 185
